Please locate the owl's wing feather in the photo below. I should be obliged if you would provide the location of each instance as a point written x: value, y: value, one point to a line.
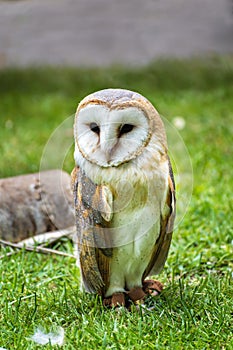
x: 167, y: 217
x: 93, y: 210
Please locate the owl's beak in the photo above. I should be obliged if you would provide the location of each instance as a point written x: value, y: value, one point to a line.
x: 108, y: 143
x: 108, y: 150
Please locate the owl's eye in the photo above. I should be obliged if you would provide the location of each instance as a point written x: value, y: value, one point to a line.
x: 95, y: 128
x: 125, y: 128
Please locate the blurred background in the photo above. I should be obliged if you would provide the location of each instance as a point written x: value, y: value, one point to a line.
x: 103, y: 32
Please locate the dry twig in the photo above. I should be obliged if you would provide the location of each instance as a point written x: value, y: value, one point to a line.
x: 37, y: 249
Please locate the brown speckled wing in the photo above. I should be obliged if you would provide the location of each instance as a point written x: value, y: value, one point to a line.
x: 92, y: 238
x: 160, y: 252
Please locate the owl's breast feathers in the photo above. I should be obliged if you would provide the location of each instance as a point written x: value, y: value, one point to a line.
x: 94, y: 213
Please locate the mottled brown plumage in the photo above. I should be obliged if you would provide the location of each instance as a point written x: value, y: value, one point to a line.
x: 92, y: 241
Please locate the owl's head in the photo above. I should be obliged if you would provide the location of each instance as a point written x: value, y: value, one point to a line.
x: 113, y: 126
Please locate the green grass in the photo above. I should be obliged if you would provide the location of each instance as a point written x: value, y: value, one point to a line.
x: 196, y: 309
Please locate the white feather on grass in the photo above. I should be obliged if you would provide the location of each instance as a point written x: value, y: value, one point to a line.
x: 43, y: 338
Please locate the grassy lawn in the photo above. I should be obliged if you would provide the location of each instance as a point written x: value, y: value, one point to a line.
x: 195, y: 311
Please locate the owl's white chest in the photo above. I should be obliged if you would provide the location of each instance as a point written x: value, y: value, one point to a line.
x: 135, y: 229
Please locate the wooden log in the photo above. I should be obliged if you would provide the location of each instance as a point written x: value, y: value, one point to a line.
x: 35, y: 203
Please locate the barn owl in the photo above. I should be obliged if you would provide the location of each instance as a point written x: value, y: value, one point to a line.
x: 124, y: 195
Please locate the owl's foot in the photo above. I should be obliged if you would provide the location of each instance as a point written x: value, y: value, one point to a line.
x: 152, y: 287
x: 116, y: 300
x: 149, y: 287
x: 136, y: 294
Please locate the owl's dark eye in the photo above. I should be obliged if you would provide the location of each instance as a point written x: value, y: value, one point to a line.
x: 126, y: 128
x: 95, y: 128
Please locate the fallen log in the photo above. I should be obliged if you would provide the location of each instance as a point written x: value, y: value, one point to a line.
x: 35, y: 203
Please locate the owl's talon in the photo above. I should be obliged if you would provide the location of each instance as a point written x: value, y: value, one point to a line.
x: 116, y: 300
x: 152, y: 287
x: 107, y: 302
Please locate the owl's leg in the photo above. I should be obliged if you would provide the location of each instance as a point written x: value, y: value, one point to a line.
x: 116, y: 279
x: 115, y: 287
